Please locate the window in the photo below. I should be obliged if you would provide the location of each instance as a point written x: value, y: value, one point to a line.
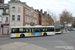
x: 1, y: 4
x: 34, y: 15
x: 29, y: 20
x: 6, y: 19
x: 1, y: 11
x: 43, y: 29
x: 14, y: 30
x: 33, y: 29
x: 5, y: 5
x: 20, y: 30
x: 35, y: 21
x: 26, y: 11
x: 37, y: 29
x: 0, y: 19
x: 50, y: 29
x: 25, y: 19
x: 19, y: 9
x: 6, y: 10
x: 13, y: 9
x: 29, y: 13
x: 18, y: 18
x: 13, y: 17
x: 27, y: 30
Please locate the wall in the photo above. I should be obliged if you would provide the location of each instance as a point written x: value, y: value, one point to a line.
x: 16, y: 13
x: 4, y: 18
x: 34, y: 16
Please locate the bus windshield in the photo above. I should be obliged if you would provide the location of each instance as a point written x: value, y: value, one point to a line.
x: 57, y: 28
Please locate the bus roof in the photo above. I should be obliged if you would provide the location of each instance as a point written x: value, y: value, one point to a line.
x: 29, y: 26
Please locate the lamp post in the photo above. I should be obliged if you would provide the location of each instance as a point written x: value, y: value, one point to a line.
x: 65, y: 24
x: 65, y: 27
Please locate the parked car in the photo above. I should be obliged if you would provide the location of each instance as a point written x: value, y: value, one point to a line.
x: 73, y: 29
x: 69, y: 29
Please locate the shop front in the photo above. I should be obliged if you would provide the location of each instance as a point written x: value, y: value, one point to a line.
x: 5, y: 29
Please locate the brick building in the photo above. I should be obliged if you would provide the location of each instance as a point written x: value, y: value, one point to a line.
x: 44, y: 18
x: 1, y: 1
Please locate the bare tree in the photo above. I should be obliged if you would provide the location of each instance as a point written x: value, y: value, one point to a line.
x: 53, y: 16
x: 65, y: 17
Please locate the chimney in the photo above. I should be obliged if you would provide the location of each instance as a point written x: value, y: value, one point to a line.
x: 41, y: 10
x: 37, y: 10
x: 14, y: 0
x: 45, y: 12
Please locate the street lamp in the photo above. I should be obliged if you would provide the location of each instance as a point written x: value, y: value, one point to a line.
x: 65, y: 27
x: 65, y: 24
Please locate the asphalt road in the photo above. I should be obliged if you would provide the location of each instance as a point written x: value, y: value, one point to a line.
x: 57, y: 42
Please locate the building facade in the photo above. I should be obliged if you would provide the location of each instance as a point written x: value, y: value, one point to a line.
x: 21, y: 14
x: 1, y: 1
x: 45, y: 19
x: 17, y: 13
x: 4, y: 18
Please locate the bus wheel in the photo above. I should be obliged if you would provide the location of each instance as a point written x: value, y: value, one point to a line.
x: 45, y: 34
x: 22, y: 35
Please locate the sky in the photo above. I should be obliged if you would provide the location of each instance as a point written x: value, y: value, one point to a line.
x: 52, y: 6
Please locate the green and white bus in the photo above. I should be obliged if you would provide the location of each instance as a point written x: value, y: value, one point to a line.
x: 58, y: 29
x: 32, y: 31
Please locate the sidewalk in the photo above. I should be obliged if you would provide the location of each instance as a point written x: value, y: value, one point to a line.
x: 66, y: 32
x: 20, y: 46
x: 3, y: 36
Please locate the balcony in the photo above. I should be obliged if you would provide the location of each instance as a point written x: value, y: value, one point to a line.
x: 5, y: 13
x: 4, y: 6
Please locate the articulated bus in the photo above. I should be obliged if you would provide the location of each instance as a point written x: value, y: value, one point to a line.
x: 58, y: 29
x: 32, y: 31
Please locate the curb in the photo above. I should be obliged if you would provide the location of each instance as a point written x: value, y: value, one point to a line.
x: 4, y: 36
x: 66, y: 32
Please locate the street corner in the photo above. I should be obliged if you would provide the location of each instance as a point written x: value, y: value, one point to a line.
x: 20, y: 46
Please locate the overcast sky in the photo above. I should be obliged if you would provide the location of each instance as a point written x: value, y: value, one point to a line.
x: 54, y: 6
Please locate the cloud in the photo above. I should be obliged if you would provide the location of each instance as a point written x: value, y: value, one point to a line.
x: 55, y: 6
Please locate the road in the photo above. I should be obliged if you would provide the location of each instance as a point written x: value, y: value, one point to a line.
x: 56, y: 42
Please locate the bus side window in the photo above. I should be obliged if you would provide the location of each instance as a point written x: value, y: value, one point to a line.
x: 41, y: 29
x: 15, y: 30
x: 20, y: 30
x: 24, y: 30
x: 52, y: 29
x: 48, y: 29
x: 44, y: 30
x: 33, y: 29
x: 27, y: 30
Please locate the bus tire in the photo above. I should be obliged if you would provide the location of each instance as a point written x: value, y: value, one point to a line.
x: 45, y: 34
x: 22, y: 35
